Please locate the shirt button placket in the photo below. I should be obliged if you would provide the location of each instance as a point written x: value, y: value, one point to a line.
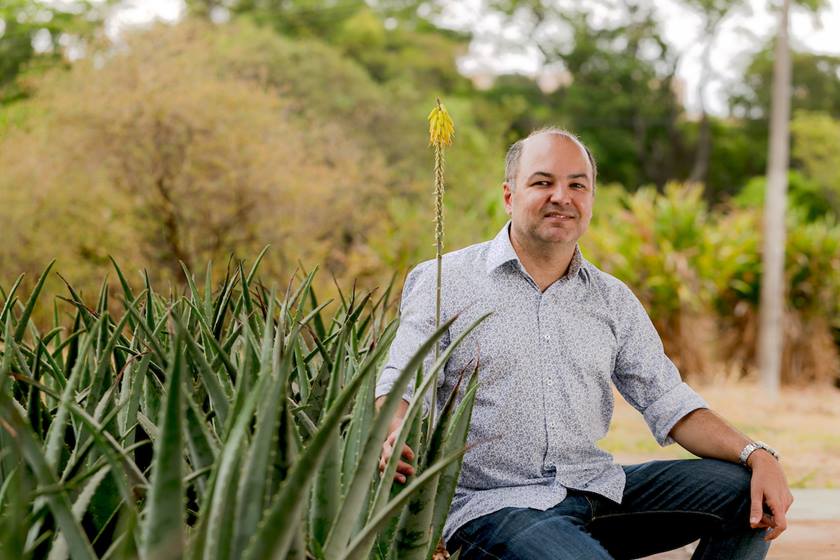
x: 544, y: 324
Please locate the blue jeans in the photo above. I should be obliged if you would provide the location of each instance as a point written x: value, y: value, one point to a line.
x: 666, y: 504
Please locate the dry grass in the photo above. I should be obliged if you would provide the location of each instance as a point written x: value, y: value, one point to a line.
x: 804, y: 426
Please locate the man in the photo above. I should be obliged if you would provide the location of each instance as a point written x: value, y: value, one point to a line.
x: 534, y: 483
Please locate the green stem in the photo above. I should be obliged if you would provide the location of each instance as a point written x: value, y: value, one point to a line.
x: 439, y: 188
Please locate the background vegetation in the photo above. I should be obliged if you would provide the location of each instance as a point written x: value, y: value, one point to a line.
x: 301, y: 125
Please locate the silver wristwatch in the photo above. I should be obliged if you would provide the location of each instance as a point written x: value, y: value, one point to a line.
x: 752, y: 446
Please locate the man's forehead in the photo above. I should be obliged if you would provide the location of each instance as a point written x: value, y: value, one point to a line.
x: 543, y: 142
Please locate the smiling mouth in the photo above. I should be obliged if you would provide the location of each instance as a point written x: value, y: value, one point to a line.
x: 559, y: 216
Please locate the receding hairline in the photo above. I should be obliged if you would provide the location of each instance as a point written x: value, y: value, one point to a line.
x: 514, y: 153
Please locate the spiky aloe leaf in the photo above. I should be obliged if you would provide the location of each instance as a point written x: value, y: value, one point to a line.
x: 209, y: 377
x: 361, y: 544
x: 30, y: 304
x: 275, y: 534
x: 10, y: 299
x: 163, y: 522
x: 55, y: 434
x: 203, y: 448
x: 326, y: 487
x: 415, y: 531
x: 219, y: 353
x: 218, y: 513
x: 15, y: 426
x: 59, y: 550
x: 455, y: 438
x: 414, y: 408
x: 251, y: 488
x: 361, y: 423
x: 127, y: 293
x: 34, y: 407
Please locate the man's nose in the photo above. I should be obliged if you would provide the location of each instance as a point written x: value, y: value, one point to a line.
x: 561, y: 195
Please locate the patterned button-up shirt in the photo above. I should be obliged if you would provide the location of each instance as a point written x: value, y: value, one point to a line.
x: 546, y: 361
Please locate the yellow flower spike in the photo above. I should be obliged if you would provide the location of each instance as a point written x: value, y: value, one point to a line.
x: 441, y: 127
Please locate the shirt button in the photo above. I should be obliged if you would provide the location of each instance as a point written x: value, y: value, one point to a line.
x: 546, y: 338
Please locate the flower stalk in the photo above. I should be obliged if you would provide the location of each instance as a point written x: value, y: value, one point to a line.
x: 441, y: 131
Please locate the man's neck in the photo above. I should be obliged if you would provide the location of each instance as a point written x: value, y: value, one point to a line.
x: 544, y: 263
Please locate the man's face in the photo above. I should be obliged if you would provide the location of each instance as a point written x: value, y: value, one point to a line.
x: 553, y: 195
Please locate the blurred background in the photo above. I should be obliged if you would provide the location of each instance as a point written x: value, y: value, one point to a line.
x: 163, y: 131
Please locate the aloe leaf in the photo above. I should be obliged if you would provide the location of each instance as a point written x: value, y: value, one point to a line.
x: 196, y: 297
x: 123, y: 469
x: 358, y: 430
x: 219, y: 510
x: 137, y: 376
x: 59, y: 504
x: 455, y: 438
x: 247, y: 302
x: 59, y: 550
x: 208, y: 290
x: 162, y: 525
x: 209, y: 378
x: 275, y: 534
x: 55, y: 434
x: 222, y: 304
x: 218, y: 351
x: 413, y: 409
x: 127, y: 293
x: 102, y: 300
x: 318, y: 322
x: 10, y: 299
x: 361, y: 544
x: 201, y: 446
x: 250, y: 497
x: 415, y: 530
x: 34, y: 406
x: 30, y: 304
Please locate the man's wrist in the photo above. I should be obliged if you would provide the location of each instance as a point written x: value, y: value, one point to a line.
x: 756, y: 448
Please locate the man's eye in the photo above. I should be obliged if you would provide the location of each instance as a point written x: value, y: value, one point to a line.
x: 578, y: 185
x: 542, y: 183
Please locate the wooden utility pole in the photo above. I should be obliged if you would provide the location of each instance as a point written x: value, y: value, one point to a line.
x: 771, y: 333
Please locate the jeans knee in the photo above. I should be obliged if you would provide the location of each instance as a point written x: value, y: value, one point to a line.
x: 734, y: 485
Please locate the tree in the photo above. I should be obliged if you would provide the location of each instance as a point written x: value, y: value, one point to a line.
x: 713, y: 12
x: 619, y: 87
x: 176, y: 151
x: 56, y: 25
x: 815, y: 86
x: 773, y: 253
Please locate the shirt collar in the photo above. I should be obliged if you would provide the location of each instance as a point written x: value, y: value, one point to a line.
x: 501, y: 252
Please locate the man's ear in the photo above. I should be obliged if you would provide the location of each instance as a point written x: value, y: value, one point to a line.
x: 507, y: 191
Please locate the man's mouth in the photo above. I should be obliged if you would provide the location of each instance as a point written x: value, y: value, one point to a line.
x: 560, y: 216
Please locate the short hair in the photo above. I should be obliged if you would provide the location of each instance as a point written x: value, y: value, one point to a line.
x: 514, y: 153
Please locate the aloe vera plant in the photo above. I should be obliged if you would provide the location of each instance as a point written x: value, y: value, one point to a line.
x: 226, y: 422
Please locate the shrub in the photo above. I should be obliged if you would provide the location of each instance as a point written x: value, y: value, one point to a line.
x: 224, y: 423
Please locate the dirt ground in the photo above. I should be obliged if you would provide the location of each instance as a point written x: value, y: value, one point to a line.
x: 803, y: 425
x: 803, y: 540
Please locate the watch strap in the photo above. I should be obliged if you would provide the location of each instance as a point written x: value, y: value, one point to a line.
x: 753, y: 446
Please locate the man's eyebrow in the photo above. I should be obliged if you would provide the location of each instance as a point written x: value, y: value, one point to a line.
x: 543, y: 173
x: 578, y: 176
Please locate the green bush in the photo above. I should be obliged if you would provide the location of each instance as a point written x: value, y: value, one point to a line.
x: 698, y: 273
x: 224, y: 423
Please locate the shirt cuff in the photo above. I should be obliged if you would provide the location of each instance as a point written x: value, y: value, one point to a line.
x: 667, y: 410
x: 386, y: 383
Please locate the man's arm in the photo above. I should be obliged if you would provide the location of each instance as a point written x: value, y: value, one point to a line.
x: 403, y: 469
x: 706, y: 434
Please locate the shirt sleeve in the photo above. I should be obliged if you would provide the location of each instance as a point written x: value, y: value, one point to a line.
x: 645, y: 376
x: 417, y: 324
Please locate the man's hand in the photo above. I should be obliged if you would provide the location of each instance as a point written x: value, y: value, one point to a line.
x: 768, y: 486
x: 403, y: 469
